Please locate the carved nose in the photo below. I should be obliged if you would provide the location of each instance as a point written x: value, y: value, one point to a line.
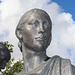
x: 41, y: 29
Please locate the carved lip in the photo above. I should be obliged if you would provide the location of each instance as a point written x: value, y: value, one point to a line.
x: 40, y: 38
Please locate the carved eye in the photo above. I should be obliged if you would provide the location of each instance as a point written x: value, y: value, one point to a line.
x: 45, y: 24
x: 34, y: 22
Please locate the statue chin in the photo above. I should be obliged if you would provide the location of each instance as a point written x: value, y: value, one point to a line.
x: 36, y: 48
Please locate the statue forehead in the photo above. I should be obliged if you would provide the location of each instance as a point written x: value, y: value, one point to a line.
x: 38, y: 13
x: 34, y: 12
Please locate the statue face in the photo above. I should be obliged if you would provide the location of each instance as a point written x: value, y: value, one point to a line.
x: 36, y: 32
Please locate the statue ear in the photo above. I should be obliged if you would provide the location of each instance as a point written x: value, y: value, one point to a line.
x: 19, y: 34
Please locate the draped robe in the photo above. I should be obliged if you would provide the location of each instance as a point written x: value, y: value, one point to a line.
x: 53, y: 66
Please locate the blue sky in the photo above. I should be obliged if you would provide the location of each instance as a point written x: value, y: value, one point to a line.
x: 0, y: 1
x: 67, y: 5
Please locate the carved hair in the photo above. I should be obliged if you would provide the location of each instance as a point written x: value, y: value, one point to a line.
x: 23, y: 20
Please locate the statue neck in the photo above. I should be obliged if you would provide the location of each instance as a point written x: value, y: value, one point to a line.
x: 32, y: 59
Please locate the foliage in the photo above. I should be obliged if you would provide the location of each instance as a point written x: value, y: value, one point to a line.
x: 12, y: 67
x: 9, y: 46
x: 10, y: 70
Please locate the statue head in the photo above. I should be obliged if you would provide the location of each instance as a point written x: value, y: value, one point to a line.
x: 4, y: 55
x: 34, y: 30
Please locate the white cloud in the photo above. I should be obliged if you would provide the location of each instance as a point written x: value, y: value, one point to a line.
x: 52, y: 9
x: 63, y: 37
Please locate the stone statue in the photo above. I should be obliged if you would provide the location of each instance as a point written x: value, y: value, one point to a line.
x: 4, y: 55
x: 34, y: 34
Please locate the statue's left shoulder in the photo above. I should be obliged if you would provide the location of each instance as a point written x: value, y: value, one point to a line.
x: 67, y: 67
x: 65, y: 62
x: 73, y: 69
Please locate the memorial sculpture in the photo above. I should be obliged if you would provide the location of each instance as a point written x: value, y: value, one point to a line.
x: 4, y: 55
x: 34, y: 34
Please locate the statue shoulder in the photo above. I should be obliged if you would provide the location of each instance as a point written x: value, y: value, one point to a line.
x: 73, y: 69
x: 61, y: 66
x: 63, y: 62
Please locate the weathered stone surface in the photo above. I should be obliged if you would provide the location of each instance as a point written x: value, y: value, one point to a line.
x: 34, y: 34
